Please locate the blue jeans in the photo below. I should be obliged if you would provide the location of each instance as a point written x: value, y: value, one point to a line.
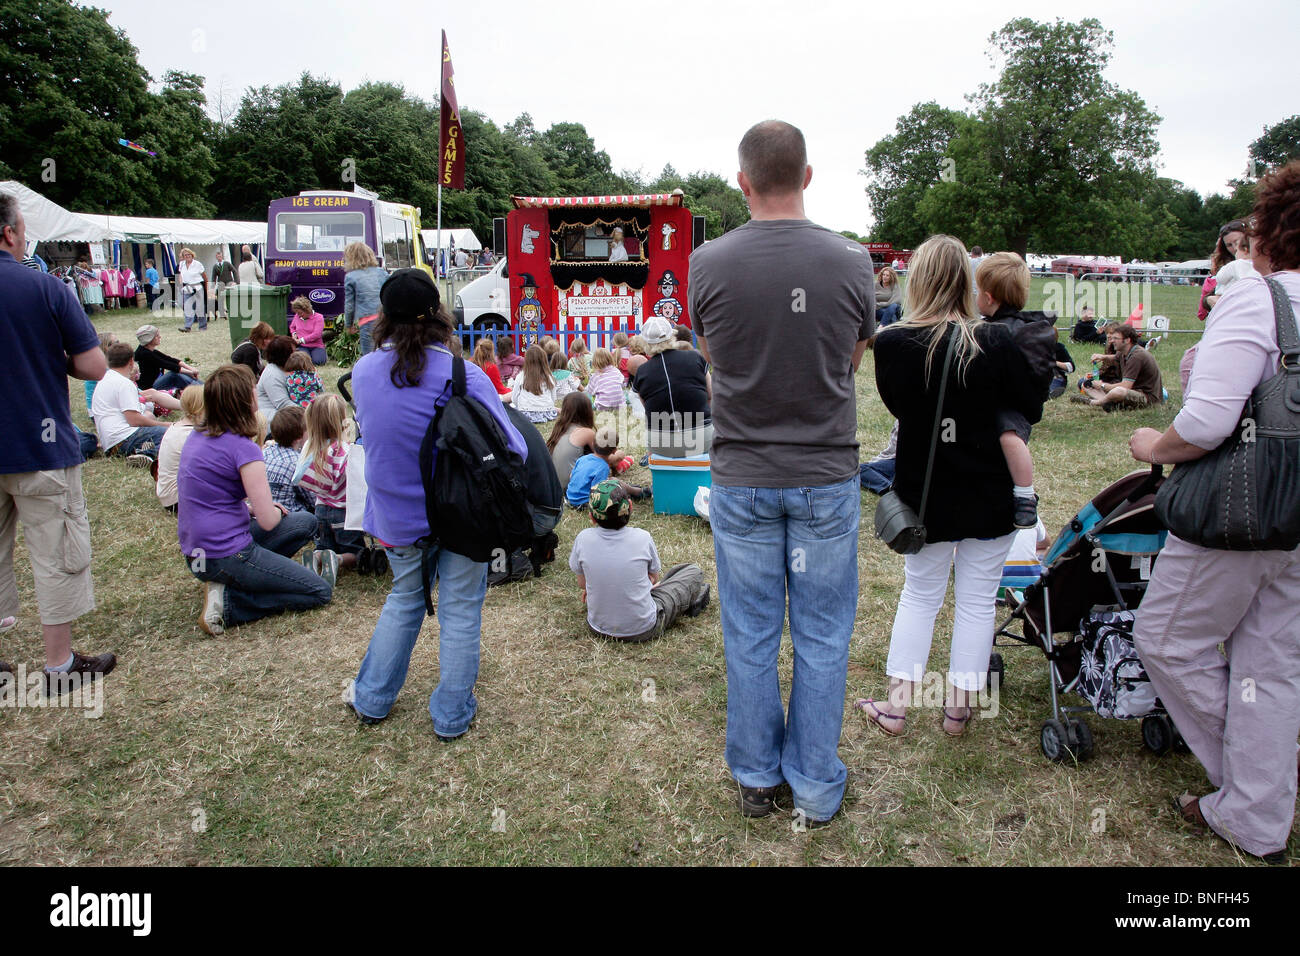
x: 877, y: 476
x: 887, y: 315
x: 263, y: 579
x: 332, y: 536
x: 174, y: 380
x: 143, y: 441
x: 770, y: 543
x: 365, y: 344
x: 462, y: 585
x: 88, y: 442
x: 315, y: 353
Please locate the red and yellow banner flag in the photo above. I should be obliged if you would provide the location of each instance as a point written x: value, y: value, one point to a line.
x: 451, y: 141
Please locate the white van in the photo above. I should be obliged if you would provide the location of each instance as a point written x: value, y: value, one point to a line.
x: 485, y: 302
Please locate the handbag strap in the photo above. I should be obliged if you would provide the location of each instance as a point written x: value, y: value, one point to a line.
x: 1288, y: 341
x: 938, y: 417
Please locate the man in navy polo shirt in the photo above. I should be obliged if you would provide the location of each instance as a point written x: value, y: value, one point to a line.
x: 48, y: 337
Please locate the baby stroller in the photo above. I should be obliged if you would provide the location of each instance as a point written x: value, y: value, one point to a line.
x: 1094, y: 577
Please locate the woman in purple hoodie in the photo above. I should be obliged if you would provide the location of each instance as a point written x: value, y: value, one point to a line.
x: 399, y: 388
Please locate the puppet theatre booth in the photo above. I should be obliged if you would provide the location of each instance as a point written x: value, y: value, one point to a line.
x: 562, y: 279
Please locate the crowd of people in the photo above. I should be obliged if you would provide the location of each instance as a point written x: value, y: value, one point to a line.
x: 263, y: 463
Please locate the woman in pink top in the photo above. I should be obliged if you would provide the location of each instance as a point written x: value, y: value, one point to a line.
x: 1239, y: 709
x: 308, y: 329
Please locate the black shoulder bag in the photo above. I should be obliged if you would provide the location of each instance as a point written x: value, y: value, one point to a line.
x: 896, y: 524
x: 1245, y: 495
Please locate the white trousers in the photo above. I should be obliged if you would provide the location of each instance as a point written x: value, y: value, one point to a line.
x: 978, y: 574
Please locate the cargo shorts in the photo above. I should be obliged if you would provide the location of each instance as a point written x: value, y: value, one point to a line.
x: 56, y: 527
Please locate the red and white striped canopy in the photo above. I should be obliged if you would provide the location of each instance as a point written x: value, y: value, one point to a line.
x: 641, y: 202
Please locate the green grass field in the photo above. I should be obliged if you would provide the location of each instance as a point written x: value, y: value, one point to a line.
x: 240, y: 749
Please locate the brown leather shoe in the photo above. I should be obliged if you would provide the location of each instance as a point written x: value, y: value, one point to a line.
x: 1189, y: 808
x: 85, y: 669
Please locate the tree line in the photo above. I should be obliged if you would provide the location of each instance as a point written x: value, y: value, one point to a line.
x: 78, y: 87
x: 1052, y: 156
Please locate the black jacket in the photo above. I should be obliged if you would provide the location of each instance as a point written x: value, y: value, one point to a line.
x: 970, y: 493
x: 1035, y: 333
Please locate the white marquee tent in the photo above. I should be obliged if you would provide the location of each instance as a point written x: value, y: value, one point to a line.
x: 465, y: 239
x: 47, y: 221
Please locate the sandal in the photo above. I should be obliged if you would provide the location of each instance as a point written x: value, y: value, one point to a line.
x: 963, y: 721
x: 877, y: 715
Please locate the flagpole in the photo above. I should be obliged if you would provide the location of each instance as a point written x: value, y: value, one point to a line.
x: 437, y: 253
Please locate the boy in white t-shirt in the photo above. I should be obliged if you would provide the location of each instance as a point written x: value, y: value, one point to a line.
x: 618, y: 572
x: 123, y: 414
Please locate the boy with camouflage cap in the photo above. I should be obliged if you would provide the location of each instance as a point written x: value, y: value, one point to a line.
x: 618, y: 571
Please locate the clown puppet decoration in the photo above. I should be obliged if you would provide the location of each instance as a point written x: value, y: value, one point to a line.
x: 668, y: 307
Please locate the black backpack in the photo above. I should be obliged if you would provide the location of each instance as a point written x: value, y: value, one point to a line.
x: 475, y: 495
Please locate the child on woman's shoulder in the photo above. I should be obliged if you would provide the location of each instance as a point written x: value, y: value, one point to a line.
x: 618, y: 573
x: 1003, y: 281
x: 590, y: 470
x: 301, y: 379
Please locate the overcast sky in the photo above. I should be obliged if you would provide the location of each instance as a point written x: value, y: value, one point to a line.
x: 680, y: 82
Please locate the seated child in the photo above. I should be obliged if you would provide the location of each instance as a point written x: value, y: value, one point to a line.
x: 301, y: 380
x: 566, y: 382
x: 323, y: 471
x: 621, y: 353
x: 288, y: 433
x: 606, y: 385
x: 618, y: 573
x: 169, y: 449
x: 1003, y: 281
x: 533, y: 391
x: 578, y: 364
x: 590, y: 470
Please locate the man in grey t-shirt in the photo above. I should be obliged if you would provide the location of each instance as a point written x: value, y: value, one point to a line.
x: 782, y: 309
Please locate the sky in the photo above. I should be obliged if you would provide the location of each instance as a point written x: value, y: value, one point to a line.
x: 680, y: 82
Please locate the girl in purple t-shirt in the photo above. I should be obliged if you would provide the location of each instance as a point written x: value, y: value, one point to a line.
x: 247, y: 565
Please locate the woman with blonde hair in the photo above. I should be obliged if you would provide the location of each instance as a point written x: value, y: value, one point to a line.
x: 193, y: 281
x: 964, y: 499
x: 362, y: 279
x: 677, y: 392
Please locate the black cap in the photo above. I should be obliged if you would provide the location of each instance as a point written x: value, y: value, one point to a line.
x: 409, y: 296
x: 527, y: 279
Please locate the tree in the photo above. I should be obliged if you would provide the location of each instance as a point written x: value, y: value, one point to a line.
x: 901, y: 167
x: 1053, y: 154
x: 1279, y: 145
x: 73, y: 86
x: 580, y: 169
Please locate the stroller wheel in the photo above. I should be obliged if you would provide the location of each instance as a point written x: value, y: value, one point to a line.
x: 1054, y: 741
x: 1079, y: 736
x: 997, y: 672
x: 379, y: 561
x: 364, y: 559
x: 1157, y: 733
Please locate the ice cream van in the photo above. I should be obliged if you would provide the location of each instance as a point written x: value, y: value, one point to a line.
x: 306, y: 235
x: 590, y: 265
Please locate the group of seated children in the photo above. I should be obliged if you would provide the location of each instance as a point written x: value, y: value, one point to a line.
x: 595, y: 466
